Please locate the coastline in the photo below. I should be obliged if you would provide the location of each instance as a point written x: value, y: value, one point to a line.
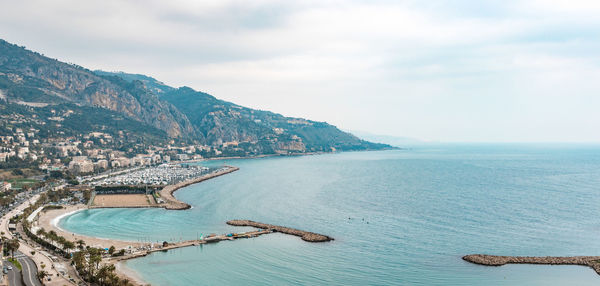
x: 55, y: 220
x: 125, y: 272
x: 49, y: 220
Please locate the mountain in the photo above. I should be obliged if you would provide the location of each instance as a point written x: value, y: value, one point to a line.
x: 387, y: 139
x: 152, y: 84
x: 30, y: 79
x: 220, y: 121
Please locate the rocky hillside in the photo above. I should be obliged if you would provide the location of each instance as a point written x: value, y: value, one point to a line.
x: 219, y: 122
x: 28, y: 77
x: 31, y: 79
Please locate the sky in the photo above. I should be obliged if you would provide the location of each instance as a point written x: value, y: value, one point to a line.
x: 450, y: 71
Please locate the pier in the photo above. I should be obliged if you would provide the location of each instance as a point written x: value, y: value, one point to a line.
x: 305, y: 235
x: 494, y: 260
x: 208, y: 239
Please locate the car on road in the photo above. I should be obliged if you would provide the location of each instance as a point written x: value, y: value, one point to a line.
x: 9, y: 267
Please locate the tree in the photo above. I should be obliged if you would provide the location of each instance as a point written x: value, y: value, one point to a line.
x: 80, y: 244
x: 12, y: 245
x: 111, y: 250
x: 42, y: 274
x: 79, y: 261
x: 41, y: 232
x: 104, y: 273
x: 95, y: 258
x: 68, y: 245
x: 52, y: 235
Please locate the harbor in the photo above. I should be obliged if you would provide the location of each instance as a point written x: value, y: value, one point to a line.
x: 146, y: 188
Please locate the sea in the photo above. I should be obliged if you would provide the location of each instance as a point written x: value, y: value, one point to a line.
x: 399, y: 217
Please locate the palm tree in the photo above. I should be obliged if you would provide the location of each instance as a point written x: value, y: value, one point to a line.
x: 42, y: 274
x: 105, y: 272
x: 51, y: 235
x: 41, y: 232
x: 61, y: 241
x: 67, y: 245
x: 80, y: 244
x: 12, y: 245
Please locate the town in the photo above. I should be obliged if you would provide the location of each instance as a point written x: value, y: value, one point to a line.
x: 29, y: 156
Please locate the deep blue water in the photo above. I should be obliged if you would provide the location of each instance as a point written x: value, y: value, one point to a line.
x: 423, y: 208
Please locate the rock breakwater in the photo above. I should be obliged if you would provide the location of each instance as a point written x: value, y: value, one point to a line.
x: 495, y: 260
x: 167, y: 192
x: 305, y: 235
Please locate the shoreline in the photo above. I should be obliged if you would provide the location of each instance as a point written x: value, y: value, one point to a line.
x: 54, y: 221
x: 49, y: 220
x: 126, y: 272
x: 262, y: 156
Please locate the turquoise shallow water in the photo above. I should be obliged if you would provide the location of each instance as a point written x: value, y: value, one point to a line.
x: 423, y: 208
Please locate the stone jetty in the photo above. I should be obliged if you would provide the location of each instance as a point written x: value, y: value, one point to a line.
x: 494, y: 260
x: 167, y: 192
x: 305, y: 235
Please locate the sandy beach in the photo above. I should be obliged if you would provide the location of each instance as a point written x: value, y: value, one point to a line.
x: 49, y: 221
x: 125, y: 272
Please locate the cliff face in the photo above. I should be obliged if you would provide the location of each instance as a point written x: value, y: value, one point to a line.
x: 30, y: 77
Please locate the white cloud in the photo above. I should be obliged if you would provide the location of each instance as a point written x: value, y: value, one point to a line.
x: 453, y: 70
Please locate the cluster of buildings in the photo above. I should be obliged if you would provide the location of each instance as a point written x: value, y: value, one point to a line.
x: 164, y: 174
x: 87, y: 153
x: 21, y: 143
x: 5, y: 186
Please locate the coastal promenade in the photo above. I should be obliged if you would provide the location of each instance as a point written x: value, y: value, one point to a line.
x: 494, y: 260
x: 38, y: 257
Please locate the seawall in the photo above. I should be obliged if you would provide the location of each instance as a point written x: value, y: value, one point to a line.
x: 167, y: 192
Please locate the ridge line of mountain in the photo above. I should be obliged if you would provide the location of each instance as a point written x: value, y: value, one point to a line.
x: 43, y: 85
